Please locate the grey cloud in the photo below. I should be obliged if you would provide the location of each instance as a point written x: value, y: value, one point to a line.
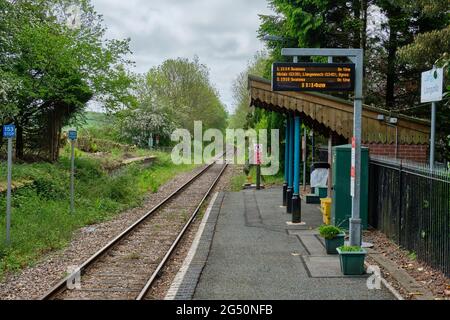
x: 221, y: 32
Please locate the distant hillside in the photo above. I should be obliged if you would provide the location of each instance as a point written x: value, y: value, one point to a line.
x: 96, y: 120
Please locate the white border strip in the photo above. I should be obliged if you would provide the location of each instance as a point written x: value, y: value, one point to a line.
x: 175, y: 286
x: 389, y: 286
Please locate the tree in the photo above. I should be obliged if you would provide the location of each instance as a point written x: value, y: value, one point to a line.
x: 404, y: 22
x: 240, y: 117
x: 145, y: 117
x: 344, y: 24
x: 184, y: 89
x: 405, y: 37
x: 172, y: 95
x: 428, y: 49
x: 315, y: 24
x: 56, y: 70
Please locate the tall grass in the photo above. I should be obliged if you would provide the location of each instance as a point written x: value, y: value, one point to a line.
x: 238, y: 181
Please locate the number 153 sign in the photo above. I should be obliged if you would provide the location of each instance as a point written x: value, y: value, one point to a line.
x: 9, y: 131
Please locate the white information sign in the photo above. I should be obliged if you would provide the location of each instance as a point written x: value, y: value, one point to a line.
x: 432, y: 85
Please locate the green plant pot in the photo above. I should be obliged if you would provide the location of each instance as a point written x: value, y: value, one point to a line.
x: 331, y: 245
x: 352, y: 263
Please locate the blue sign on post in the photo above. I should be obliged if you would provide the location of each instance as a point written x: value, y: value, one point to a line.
x: 9, y: 131
x: 72, y: 135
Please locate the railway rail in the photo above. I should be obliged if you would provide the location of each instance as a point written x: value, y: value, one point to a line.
x: 127, y: 267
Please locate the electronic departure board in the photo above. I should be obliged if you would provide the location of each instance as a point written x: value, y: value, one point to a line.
x: 313, y: 77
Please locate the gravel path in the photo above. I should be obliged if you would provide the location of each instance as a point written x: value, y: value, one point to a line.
x: 33, y: 282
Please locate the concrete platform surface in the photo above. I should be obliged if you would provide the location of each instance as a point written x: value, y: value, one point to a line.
x: 254, y: 254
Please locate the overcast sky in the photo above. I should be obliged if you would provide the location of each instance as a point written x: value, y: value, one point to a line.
x: 221, y: 32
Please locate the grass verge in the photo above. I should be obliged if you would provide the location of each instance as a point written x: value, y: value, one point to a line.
x: 238, y: 181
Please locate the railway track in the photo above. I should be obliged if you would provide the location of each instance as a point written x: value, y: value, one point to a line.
x: 127, y: 267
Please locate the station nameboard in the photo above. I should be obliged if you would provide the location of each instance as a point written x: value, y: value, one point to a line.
x: 313, y: 77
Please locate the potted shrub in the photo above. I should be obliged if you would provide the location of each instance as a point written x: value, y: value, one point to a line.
x: 352, y: 260
x: 334, y: 238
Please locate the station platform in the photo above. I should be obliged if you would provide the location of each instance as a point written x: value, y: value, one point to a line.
x: 245, y: 250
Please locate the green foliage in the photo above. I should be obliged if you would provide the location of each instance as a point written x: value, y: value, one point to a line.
x: 329, y: 232
x: 172, y: 95
x: 350, y: 249
x: 52, y: 70
x: 149, y: 116
x: 426, y: 49
x: 163, y: 171
x: 313, y: 23
x: 239, y: 119
x: 277, y: 179
x: 407, y: 37
x: 412, y: 256
x: 237, y: 182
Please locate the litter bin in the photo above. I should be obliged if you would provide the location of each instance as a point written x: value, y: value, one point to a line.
x: 325, y: 206
x: 342, y: 200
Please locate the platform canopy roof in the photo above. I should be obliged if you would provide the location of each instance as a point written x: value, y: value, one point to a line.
x: 327, y: 113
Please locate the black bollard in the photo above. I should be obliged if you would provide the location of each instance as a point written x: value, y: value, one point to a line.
x: 296, y: 209
x: 289, y: 199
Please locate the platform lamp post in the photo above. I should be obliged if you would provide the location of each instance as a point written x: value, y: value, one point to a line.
x: 357, y: 57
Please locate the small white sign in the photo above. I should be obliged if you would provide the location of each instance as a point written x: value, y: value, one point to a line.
x: 432, y: 85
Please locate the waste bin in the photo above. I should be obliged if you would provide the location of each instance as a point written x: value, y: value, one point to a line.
x: 342, y: 200
x: 325, y: 206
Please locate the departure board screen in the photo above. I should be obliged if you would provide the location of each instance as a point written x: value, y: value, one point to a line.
x: 313, y: 77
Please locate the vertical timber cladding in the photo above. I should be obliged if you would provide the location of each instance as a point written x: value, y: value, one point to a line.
x: 313, y: 77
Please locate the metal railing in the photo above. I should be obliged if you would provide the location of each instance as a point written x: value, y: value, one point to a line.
x: 410, y: 204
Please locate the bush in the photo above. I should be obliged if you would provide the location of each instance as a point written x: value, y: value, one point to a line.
x: 93, y: 145
x: 350, y: 249
x: 87, y: 169
x: 49, y: 189
x: 329, y: 232
x: 123, y: 188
